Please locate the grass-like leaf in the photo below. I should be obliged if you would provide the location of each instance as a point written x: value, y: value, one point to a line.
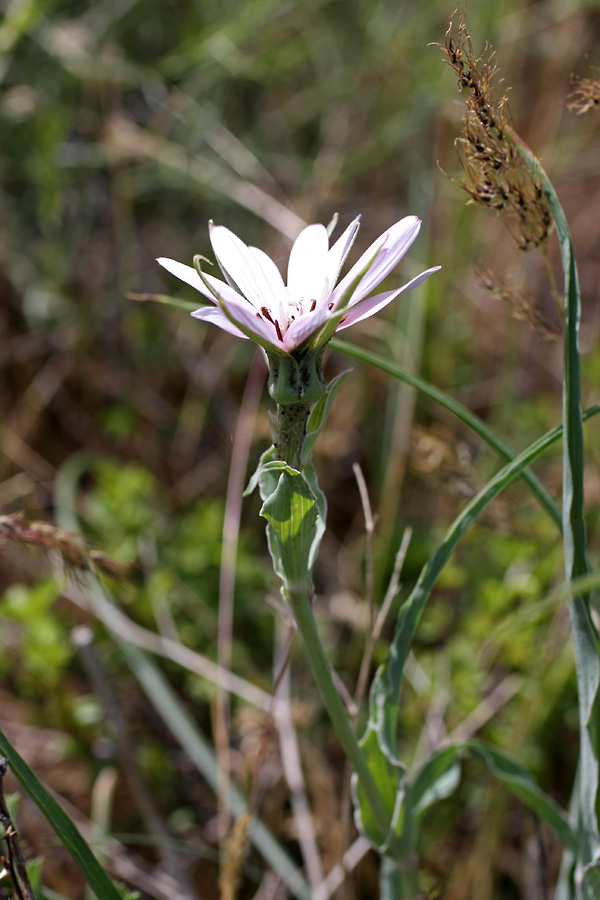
x: 62, y: 825
x: 585, y: 635
x: 439, y: 775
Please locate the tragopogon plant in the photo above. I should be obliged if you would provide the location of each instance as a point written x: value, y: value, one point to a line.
x: 293, y: 323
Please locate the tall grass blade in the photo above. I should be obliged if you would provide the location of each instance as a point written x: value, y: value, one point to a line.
x: 585, y: 636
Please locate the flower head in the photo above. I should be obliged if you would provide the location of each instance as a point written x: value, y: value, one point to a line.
x: 254, y: 301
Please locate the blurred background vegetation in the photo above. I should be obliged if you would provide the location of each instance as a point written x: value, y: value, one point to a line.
x: 126, y: 126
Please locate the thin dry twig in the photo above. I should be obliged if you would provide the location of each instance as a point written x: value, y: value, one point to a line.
x: 123, y: 139
x: 372, y: 637
x: 234, y: 847
x: 369, y: 531
x: 194, y: 662
x: 13, y: 862
x: 292, y: 769
x: 231, y: 528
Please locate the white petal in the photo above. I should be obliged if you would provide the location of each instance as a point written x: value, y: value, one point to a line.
x: 187, y: 274
x: 368, y: 307
x: 307, y: 268
x: 217, y: 317
x: 242, y: 266
x: 338, y: 253
x: 272, y: 276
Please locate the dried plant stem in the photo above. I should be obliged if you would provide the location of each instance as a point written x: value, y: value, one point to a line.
x: 13, y: 862
x: 231, y: 527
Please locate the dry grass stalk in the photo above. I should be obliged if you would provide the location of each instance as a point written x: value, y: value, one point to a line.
x: 495, y: 175
x: 74, y: 554
x: 233, y: 856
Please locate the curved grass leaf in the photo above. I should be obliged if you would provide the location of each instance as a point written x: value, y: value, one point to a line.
x: 61, y: 823
x: 457, y: 409
x: 520, y: 782
x: 440, y: 775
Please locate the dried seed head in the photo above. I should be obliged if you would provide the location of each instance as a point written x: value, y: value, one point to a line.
x: 521, y: 303
x: 73, y: 553
x: 585, y: 94
x: 495, y: 175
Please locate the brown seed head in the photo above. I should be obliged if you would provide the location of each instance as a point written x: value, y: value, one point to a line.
x: 585, y: 94
x: 74, y: 554
x: 495, y: 175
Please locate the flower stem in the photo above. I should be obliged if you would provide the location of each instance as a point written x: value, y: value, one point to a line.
x: 291, y: 431
x: 399, y: 880
x: 319, y: 664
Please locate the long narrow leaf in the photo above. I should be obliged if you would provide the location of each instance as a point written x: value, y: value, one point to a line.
x: 61, y: 823
x: 585, y: 636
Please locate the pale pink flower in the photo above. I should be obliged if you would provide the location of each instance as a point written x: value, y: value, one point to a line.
x: 254, y: 301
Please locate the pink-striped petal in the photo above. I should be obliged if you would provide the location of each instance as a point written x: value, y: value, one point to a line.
x: 356, y: 273
x: 216, y: 315
x: 399, y: 238
x: 304, y: 327
x: 371, y: 305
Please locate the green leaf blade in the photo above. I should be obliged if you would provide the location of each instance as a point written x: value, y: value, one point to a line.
x: 61, y: 823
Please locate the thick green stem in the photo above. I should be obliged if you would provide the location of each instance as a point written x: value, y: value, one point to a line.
x: 319, y: 664
x: 399, y: 880
x: 291, y: 431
